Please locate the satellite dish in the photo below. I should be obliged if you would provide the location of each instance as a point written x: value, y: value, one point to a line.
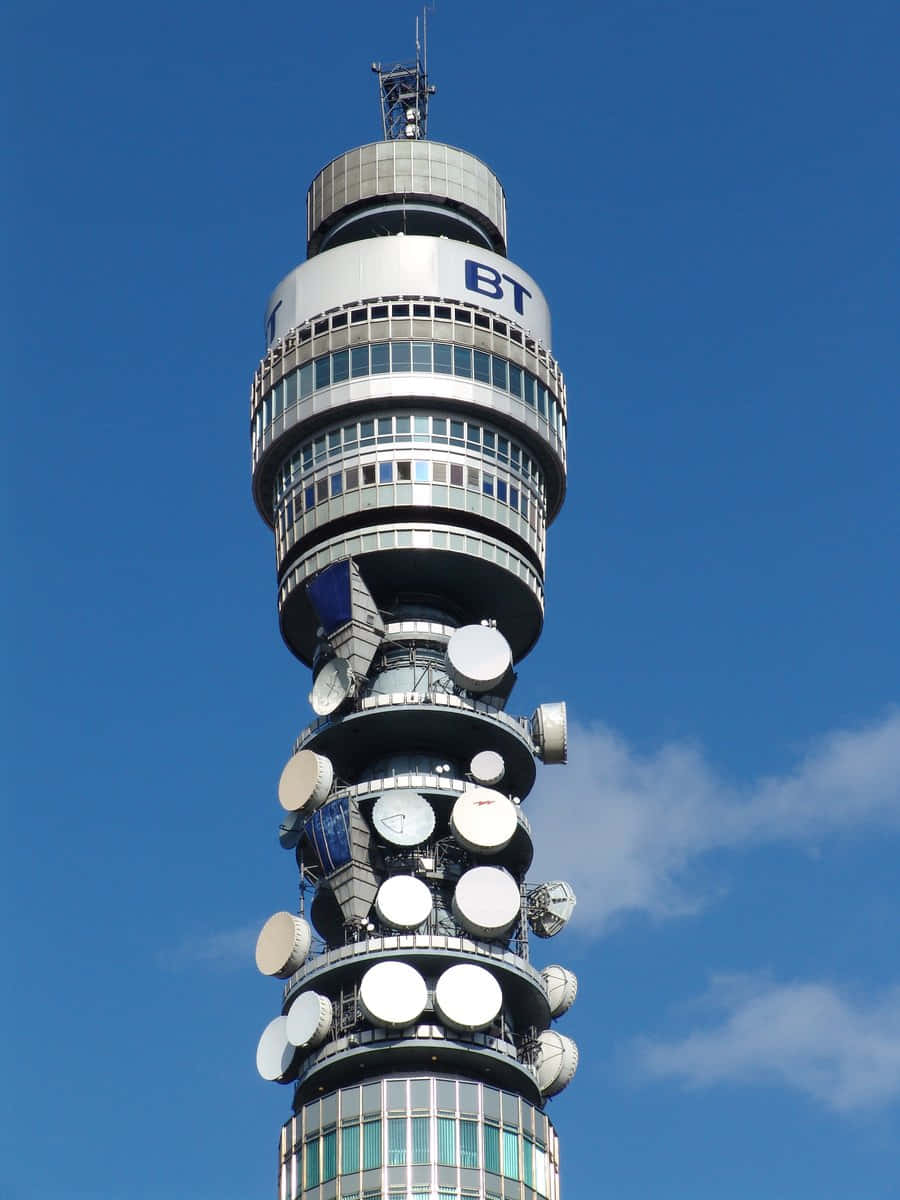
x: 478, y: 657
x: 333, y: 685
x: 487, y: 901
x: 403, y: 817
x: 308, y: 1020
x: 549, y: 732
x: 275, y: 1054
x: 403, y: 902
x: 557, y: 1062
x: 562, y: 988
x: 467, y: 997
x: 392, y: 995
x: 550, y: 906
x: 305, y: 782
x: 483, y: 821
x: 282, y: 945
x: 487, y: 767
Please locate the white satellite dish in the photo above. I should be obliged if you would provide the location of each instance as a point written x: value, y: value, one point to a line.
x: 275, y: 1054
x: 334, y: 683
x: 305, y: 782
x: 403, y: 817
x: 282, y: 945
x: 478, y: 657
x: 487, y: 901
x: 550, y: 905
x: 484, y: 821
x: 549, y: 732
x: 467, y: 997
x: 308, y: 1020
x: 403, y: 902
x: 392, y: 994
x: 487, y: 767
x: 557, y: 1062
x: 562, y: 988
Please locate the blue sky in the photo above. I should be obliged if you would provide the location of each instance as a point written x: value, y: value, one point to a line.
x: 709, y: 200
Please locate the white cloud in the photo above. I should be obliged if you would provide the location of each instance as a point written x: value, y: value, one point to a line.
x: 225, y: 948
x: 806, y: 1036
x: 635, y: 824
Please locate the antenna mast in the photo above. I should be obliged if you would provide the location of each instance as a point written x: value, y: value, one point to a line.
x: 404, y: 90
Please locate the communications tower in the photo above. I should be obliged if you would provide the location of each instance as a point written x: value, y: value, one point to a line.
x: 408, y: 430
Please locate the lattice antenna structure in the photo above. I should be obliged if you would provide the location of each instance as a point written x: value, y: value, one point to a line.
x: 404, y: 90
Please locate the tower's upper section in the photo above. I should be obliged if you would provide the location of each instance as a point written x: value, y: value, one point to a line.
x: 412, y: 187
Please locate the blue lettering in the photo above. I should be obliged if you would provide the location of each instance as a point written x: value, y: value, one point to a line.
x: 519, y: 290
x: 270, y: 324
x: 484, y: 279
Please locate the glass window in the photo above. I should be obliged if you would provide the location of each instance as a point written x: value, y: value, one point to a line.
x: 371, y: 1144
x: 456, y: 433
x: 491, y: 1135
x: 474, y: 434
x: 540, y: 1170
x: 339, y: 321
x: 307, y: 456
x: 321, y: 490
x: 420, y: 1147
x: 334, y: 443
x: 421, y: 427
x: 349, y: 436
x: 462, y: 361
x: 367, y: 432
x: 489, y: 440
x: 528, y: 1161
x: 352, y: 478
x: 403, y: 424
x: 277, y: 399
x: 379, y: 312
x: 358, y: 316
x: 446, y: 1141
x: 510, y: 1154
x: 443, y: 358
x: 404, y: 472
x: 482, y: 365
x: 290, y: 389
x: 514, y: 497
x: 400, y: 310
x: 515, y: 380
x: 349, y: 1149
x: 439, y: 427
x: 440, y: 472
x: 385, y: 429
x: 396, y: 1141
x: 472, y: 477
x: 340, y: 366
x: 311, y: 1158
x: 514, y: 455
x: 421, y: 310
x: 359, y: 360
x: 421, y: 472
x: 380, y: 358
x: 319, y: 449
x: 329, y: 1154
x: 337, y: 484
x: 309, y: 497
x: 421, y: 356
x: 501, y: 490
x: 482, y: 322
x: 487, y: 484
x: 442, y: 311
x: 523, y: 507
x: 456, y: 474
x: 529, y: 382
x: 368, y: 474
x: 306, y: 380
x: 468, y: 1143
x: 542, y: 400
x: 323, y: 371
x: 400, y: 356
x: 463, y: 314
x: 385, y: 472
x: 499, y: 373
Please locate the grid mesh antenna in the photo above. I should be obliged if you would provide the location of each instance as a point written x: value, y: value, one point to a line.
x: 404, y: 90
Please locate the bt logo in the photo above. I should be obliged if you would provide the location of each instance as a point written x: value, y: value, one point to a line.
x: 487, y: 281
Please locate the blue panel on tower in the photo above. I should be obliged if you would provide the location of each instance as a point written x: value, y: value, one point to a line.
x: 329, y: 831
x: 329, y: 594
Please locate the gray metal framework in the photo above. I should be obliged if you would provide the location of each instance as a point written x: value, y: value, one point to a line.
x: 404, y: 90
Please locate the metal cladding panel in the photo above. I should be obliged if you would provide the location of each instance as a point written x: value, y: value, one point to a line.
x: 398, y: 266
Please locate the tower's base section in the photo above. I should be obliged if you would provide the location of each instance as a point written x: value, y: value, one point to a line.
x: 439, y: 1136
